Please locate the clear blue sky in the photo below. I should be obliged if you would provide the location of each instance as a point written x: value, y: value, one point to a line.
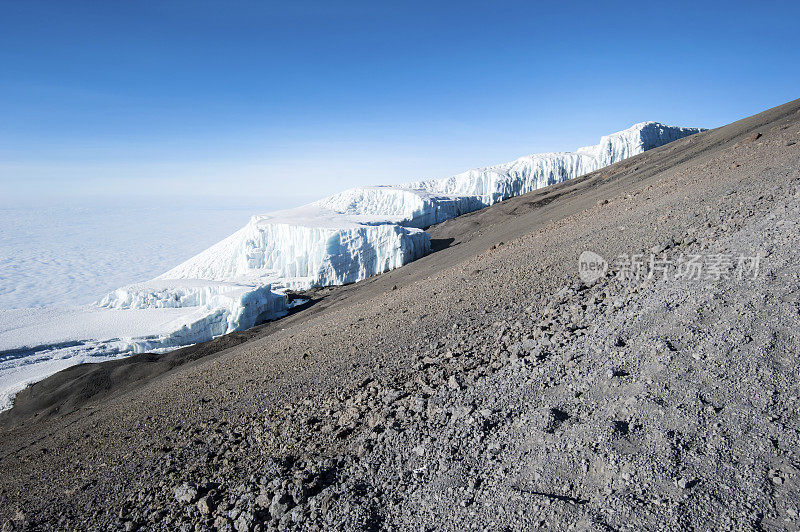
x: 267, y: 100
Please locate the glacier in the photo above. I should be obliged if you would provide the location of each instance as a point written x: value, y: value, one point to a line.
x: 503, y: 181
x: 242, y: 280
x: 305, y: 247
x: 360, y: 232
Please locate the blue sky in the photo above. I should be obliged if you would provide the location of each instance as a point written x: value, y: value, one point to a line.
x: 277, y: 102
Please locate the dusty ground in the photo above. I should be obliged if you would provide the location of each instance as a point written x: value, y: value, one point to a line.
x: 484, y: 386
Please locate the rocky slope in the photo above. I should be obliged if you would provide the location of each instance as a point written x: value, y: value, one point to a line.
x: 485, y: 386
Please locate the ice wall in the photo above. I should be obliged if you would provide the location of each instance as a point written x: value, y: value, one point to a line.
x: 409, y: 207
x: 223, y: 307
x: 496, y: 183
x: 305, y: 247
x: 363, y: 231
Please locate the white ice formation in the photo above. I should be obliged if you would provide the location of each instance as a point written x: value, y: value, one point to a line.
x: 363, y: 231
x: 497, y: 183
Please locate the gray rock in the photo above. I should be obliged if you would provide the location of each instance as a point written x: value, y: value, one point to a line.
x: 244, y: 522
x: 281, y: 503
x: 186, y: 493
x: 454, y: 382
x: 222, y: 524
x: 264, y: 499
x: 203, y: 506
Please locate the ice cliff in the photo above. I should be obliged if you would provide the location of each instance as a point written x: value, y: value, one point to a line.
x: 305, y: 247
x: 497, y: 183
x: 218, y: 307
x: 360, y: 232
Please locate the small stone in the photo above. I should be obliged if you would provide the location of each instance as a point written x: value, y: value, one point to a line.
x: 392, y: 396
x: 453, y: 383
x: 343, y: 433
x: 281, y: 503
x: 243, y: 523
x: 297, y: 515
x: 493, y: 448
x: 186, y: 493
x: 299, y: 493
x: 203, y: 507
x: 664, y: 246
x: 263, y: 500
x: 418, y: 404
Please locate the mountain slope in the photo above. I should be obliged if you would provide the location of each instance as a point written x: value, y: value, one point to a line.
x: 484, y: 385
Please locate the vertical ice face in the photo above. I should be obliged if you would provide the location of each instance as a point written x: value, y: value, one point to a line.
x: 230, y: 306
x: 497, y: 183
x: 349, y: 236
x: 305, y: 247
x: 409, y: 207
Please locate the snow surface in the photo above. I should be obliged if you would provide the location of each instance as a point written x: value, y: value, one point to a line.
x: 239, y: 281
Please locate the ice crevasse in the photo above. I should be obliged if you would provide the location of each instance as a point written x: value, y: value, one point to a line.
x: 241, y: 280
